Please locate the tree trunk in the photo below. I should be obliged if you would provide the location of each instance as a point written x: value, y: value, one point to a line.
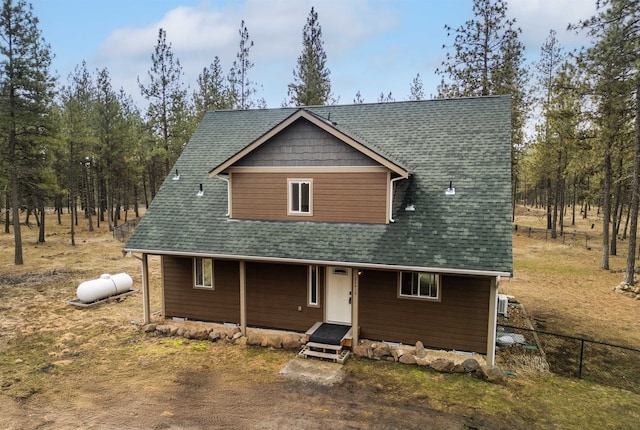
x: 41, y: 233
x: 606, y: 210
x: 635, y: 199
x: 549, y: 202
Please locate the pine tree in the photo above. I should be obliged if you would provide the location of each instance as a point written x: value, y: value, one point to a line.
x: 26, y: 95
x: 77, y: 131
x: 480, y: 48
x: 615, y: 64
x: 311, y: 86
x: 168, y: 110
x: 416, y: 89
x: 211, y: 91
x: 242, y: 88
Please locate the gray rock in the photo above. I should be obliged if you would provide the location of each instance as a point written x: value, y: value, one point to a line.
x: 254, y: 339
x: 149, y: 328
x: 420, y: 352
x: 442, y: 365
x: 214, y: 335
x: 492, y: 374
x: 407, y: 359
x: 470, y: 365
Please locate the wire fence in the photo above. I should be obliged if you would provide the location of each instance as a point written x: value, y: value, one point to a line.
x: 569, y: 238
x: 122, y: 232
x: 570, y: 356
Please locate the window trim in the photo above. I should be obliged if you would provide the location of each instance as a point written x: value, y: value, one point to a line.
x: 299, y: 181
x: 313, y: 272
x: 200, y: 260
x: 438, y: 279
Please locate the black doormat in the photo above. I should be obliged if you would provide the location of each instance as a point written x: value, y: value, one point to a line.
x: 329, y: 334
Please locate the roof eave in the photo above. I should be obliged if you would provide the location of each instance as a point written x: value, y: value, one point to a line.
x: 448, y: 271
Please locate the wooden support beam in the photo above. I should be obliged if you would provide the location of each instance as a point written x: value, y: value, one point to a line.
x: 243, y: 299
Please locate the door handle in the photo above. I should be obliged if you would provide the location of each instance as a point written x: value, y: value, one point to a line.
x: 349, y: 300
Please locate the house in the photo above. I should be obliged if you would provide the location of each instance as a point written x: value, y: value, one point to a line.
x: 393, y: 219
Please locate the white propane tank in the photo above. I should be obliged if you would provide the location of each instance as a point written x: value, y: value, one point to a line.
x: 103, y: 287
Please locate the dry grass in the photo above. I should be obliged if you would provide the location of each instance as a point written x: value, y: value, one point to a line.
x: 63, y: 367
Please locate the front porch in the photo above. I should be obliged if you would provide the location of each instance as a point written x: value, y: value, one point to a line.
x: 328, y: 341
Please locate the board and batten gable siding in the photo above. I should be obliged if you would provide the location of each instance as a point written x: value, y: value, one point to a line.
x: 181, y: 299
x: 304, y: 144
x: 275, y: 292
x: 358, y: 197
x: 459, y: 321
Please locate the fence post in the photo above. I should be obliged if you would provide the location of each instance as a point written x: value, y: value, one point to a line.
x: 581, y: 355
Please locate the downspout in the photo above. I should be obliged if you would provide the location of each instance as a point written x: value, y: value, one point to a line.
x: 228, y: 194
x: 391, y: 188
x: 493, y: 320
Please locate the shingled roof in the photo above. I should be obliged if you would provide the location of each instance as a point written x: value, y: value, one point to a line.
x: 465, y: 141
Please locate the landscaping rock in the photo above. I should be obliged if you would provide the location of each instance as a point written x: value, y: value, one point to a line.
x: 423, y: 361
x: 381, y: 351
x: 420, y: 351
x: 214, y: 335
x: 291, y: 341
x: 362, y: 351
x: 442, y: 365
x: 254, y: 339
x: 492, y: 374
x: 407, y: 359
x: 470, y: 365
x: 147, y: 328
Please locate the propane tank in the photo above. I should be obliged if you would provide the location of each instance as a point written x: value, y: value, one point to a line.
x: 103, y: 287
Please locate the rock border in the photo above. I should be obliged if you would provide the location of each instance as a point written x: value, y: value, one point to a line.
x: 438, y: 360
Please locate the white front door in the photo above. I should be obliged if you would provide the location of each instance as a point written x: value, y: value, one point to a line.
x: 338, y: 301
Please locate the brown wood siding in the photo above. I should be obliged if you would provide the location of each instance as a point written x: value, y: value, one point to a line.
x: 459, y: 321
x: 181, y: 299
x: 274, y: 292
x: 337, y: 197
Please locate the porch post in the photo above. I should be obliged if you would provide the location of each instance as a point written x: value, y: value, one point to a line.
x: 146, y: 312
x: 354, y: 306
x: 493, y: 313
x: 243, y: 299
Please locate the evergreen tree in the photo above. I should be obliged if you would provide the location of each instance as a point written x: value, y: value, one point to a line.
x: 242, y: 88
x: 77, y: 131
x: 481, y: 49
x: 615, y: 64
x: 26, y: 96
x: 311, y: 86
x: 416, y: 90
x: 168, y: 110
x: 211, y: 91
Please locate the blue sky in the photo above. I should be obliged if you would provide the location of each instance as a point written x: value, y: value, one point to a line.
x: 372, y: 46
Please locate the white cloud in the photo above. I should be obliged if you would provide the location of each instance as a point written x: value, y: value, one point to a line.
x: 538, y: 17
x: 198, y: 34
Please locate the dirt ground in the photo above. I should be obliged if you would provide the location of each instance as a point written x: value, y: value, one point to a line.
x: 63, y: 367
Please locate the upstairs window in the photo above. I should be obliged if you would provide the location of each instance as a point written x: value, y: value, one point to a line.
x: 419, y: 285
x: 300, y: 196
x: 203, y: 272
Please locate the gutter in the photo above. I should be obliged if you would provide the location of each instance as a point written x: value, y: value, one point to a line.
x: 446, y: 271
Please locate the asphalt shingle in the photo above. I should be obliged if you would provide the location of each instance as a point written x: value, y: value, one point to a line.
x: 465, y: 141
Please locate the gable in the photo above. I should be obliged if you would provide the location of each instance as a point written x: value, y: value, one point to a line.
x: 305, y: 144
x: 330, y: 127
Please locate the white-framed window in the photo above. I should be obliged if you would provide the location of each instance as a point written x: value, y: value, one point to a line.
x: 203, y: 272
x: 300, y: 192
x: 419, y: 285
x: 314, y: 286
